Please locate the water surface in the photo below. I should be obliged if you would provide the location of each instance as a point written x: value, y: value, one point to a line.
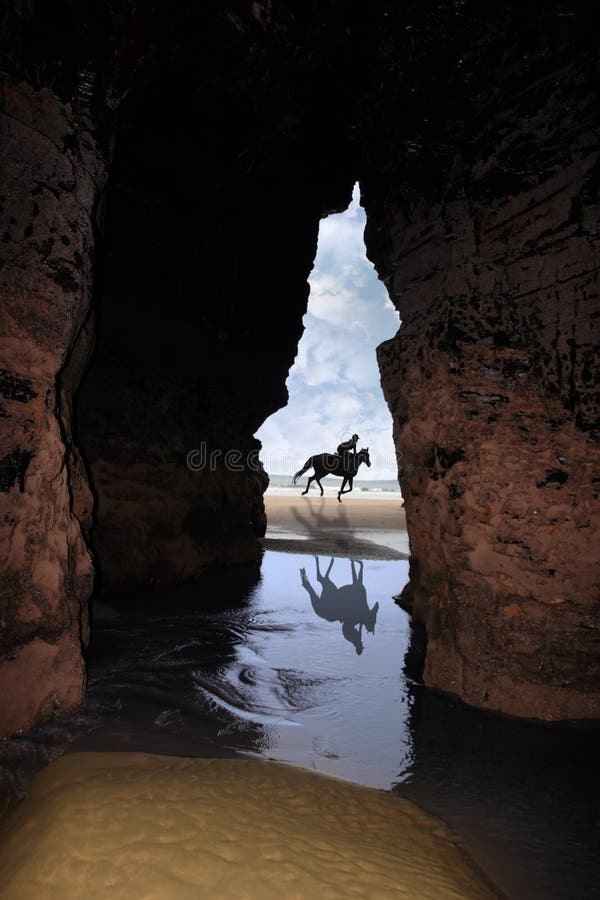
x: 303, y: 671
x: 324, y: 673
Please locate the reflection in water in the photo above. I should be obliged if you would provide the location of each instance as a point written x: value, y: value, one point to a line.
x: 307, y: 704
x: 187, y: 677
x: 243, y: 664
x: 346, y: 604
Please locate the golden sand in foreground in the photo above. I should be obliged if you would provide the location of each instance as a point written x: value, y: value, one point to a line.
x: 132, y: 825
x: 315, y: 514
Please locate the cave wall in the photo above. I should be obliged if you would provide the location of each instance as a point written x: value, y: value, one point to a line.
x: 51, y: 176
x: 189, y: 327
x: 228, y: 130
x: 199, y: 288
x: 491, y: 255
x: 65, y: 68
x: 209, y: 243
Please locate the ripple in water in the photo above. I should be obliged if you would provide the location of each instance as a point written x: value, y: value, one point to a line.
x: 319, y: 667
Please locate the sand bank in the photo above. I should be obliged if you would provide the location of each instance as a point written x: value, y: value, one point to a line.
x: 133, y: 825
x: 365, y: 528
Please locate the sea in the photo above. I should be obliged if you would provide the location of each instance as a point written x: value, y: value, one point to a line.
x: 380, y: 489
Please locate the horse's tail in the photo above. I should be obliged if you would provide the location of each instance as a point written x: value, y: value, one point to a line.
x: 304, y: 468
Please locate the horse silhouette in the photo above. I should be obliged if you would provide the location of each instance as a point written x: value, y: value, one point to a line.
x: 333, y: 464
x: 346, y: 604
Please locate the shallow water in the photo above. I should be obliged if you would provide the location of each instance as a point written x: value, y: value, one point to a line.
x: 255, y: 661
x: 315, y: 681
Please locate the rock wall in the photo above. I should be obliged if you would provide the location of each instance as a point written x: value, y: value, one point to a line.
x: 51, y: 176
x: 473, y: 131
x: 208, y: 247
x: 492, y: 381
x: 209, y: 244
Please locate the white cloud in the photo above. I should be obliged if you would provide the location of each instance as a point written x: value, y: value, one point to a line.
x: 334, y: 384
x: 341, y: 236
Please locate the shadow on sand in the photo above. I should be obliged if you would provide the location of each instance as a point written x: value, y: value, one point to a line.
x: 325, y: 529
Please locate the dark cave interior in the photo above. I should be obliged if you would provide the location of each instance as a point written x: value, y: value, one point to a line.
x: 166, y: 168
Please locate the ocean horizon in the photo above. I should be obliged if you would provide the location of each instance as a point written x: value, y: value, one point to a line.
x: 282, y: 484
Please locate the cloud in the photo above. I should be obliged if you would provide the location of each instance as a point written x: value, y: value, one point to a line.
x: 334, y: 384
x: 341, y: 236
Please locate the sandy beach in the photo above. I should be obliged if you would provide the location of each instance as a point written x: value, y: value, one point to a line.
x: 366, y: 528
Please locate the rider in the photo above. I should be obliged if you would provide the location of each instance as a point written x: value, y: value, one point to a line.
x: 344, y: 450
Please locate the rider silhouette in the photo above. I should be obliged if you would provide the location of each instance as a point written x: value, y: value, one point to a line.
x: 345, y: 448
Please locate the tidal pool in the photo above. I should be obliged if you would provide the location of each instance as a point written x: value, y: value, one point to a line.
x: 321, y: 669
x: 300, y: 670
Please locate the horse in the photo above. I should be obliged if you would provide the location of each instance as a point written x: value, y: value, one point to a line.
x: 346, y: 604
x: 332, y: 464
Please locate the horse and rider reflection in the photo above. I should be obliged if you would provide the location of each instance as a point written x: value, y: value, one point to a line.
x: 346, y: 604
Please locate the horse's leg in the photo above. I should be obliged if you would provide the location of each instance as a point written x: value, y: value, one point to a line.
x: 320, y: 473
x: 341, y: 490
x: 319, y: 576
x: 357, y: 579
x: 329, y: 568
x: 308, y: 484
x: 314, y: 598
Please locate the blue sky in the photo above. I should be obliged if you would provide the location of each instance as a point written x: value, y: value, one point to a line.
x: 334, y: 383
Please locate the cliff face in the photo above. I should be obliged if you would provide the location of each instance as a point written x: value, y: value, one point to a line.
x: 51, y: 176
x: 213, y: 212
x: 228, y: 130
x: 204, y: 247
x: 492, y: 379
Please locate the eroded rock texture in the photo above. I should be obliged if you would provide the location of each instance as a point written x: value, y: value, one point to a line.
x: 492, y: 379
x: 209, y: 244
x: 235, y: 126
x: 51, y: 175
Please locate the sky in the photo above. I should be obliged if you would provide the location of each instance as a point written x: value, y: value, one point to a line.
x: 333, y: 385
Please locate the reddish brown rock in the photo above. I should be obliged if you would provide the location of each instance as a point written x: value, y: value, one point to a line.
x: 51, y: 176
x: 490, y: 382
x: 474, y: 135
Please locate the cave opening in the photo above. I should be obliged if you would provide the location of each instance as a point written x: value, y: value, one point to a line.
x: 333, y: 386
x: 188, y: 154
x: 172, y: 330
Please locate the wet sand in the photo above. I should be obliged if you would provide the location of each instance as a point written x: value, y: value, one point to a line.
x: 365, y: 528
x: 125, y: 825
x: 242, y: 663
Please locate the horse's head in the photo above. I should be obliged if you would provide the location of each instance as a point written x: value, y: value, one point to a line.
x: 371, y: 618
x: 363, y: 456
